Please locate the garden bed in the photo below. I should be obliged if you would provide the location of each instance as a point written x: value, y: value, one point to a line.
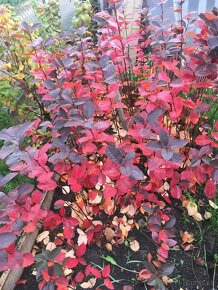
x: 194, y: 268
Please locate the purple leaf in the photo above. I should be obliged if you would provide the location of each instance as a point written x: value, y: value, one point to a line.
x: 104, y: 61
x: 6, y: 239
x: 3, y: 260
x: 154, y: 115
x: 35, y: 26
x: 88, y: 109
x: 49, y: 84
x: 7, y: 178
x: 68, y: 62
x: 164, y: 138
x: 167, y: 269
x: 154, y: 145
x: 138, y: 119
x: 24, y: 26
x: 177, y: 143
x: 129, y: 156
x: 167, y: 154
x: 114, y: 154
x: 132, y: 171
x: 63, y: 113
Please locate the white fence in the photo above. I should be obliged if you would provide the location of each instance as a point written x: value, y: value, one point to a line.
x: 26, y: 12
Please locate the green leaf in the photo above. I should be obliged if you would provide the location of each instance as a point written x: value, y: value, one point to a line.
x: 110, y: 260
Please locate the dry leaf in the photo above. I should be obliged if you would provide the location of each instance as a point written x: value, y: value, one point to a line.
x: 65, y: 189
x: 42, y: 236
x: 82, y: 237
x: 89, y: 284
x: 186, y: 237
x: 109, y: 247
x: 70, y: 254
x: 60, y: 235
x: 200, y: 261
x: 166, y: 186
x: 46, y: 240
x: 207, y: 215
x: 197, y: 217
x: 67, y: 272
x: 50, y: 246
x: 134, y: 246
x: 192, y: 208
x: 109, y: 234
x: 166, y: 280
x: 213, y: 205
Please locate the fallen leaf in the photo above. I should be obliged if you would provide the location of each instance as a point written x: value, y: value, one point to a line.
x: 89, y: 284
x: 198, y: 217
x: 134, y: 246
x: 166, y: 280
x: 82, y: 237
x: 109, y: 246
x: 200, y: 261
x: 42, y: 236
x: 46, y: 240
x: 109, y: 234
x: 65, y: 189
x: 213, y: 205
x: 207, y: 215
x: 192, y: 208
x: 50, y: 246
x: 186, y: 237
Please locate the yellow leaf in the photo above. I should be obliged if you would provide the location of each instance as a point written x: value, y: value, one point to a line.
x: 192, y: 208
x: 42, y: 236
x: 207, y: 215
x: 134, y: 246
x: 109, y: 246
x: 50, y: 246
x: 198, y: 217
x: 19, y: 76
x: 46, y: 240
x: 213, y: 205
x: 21, y: 67
x: 89, y: 284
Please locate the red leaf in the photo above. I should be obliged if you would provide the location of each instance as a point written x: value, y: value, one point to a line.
x: 37, y: 196
x: 108, y: 284
x: 79, y: 277
x: 202, y: 140
x: 109, y: 192
x: 96, y: 272
x: 30, y: 227
x: 163, y: 236
x: 81, y: 250
x: 71, y: 263
x: 210, y: 189
x: 176, y: 192
x: 88, y: 270
x: 106, y: 271
x: 177, y: 106
x: 28, y: 259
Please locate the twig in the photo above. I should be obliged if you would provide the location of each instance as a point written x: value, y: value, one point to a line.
x: 214, y: 275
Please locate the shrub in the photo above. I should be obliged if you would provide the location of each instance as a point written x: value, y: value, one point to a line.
x: 119, y: 136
